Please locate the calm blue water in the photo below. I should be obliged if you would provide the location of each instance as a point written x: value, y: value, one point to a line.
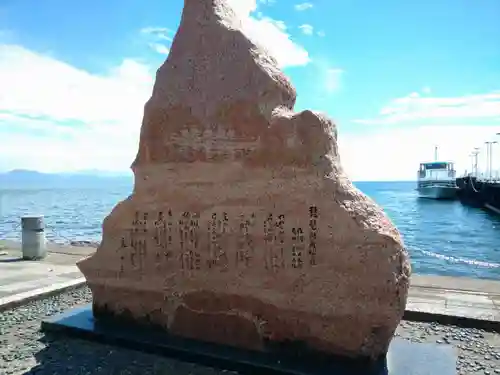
x: 443, y: 238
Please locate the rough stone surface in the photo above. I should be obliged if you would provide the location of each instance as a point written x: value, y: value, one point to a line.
x: 242, y: 227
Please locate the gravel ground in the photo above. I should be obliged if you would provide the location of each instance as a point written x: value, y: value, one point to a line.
x: 24, y: 350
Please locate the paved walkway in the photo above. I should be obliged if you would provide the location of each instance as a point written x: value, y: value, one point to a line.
x: 455, y: 297
x: 21, y: 280
x: 429, y: 297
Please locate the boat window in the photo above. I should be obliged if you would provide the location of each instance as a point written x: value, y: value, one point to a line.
x: 430, y: 166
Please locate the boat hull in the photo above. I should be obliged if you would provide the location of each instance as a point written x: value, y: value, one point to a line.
x: 437, y: 192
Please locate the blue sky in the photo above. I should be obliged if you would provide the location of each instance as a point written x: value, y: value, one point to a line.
x: 398, y: 77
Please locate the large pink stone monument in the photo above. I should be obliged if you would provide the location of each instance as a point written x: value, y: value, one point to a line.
x: 242, y: 227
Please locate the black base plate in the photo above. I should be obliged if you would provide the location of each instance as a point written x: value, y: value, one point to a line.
x: 403, y: 358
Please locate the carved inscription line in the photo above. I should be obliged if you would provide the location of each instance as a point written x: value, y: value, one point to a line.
x: 217, y: 252
x: 313, y: 228
x: 210, y: 144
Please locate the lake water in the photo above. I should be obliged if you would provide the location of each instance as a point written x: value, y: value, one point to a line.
x: 444, y: 238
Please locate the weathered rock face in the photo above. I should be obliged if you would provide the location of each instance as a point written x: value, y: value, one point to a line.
x: 242, y: 227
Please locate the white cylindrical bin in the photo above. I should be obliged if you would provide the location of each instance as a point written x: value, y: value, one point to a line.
x: 33, y: 237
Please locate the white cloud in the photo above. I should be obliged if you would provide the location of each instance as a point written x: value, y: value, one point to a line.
x: 40, y: 96
x: 160, y: 48
x: 329, y: 77
x: 39, y: 85
x: 56, y: 117
x: 426, y: 90
x: 332, y: 80
x: 160, y: 38
x: 307, y: 29
x: 321, y: 33
x: 267, y: 32
x: 417, y: 108
x: 161, y: 33
x: 270, y: 34
x: 303, y: 6
x: 243, y: 8
x: 395, y: 154
x: 455, y: 124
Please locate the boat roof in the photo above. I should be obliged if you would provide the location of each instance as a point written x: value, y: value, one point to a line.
x: 437, y: 162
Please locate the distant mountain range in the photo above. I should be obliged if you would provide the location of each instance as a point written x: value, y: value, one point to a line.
x: 26, y: 178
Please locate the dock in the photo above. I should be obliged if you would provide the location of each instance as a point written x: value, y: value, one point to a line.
x: 459, y: 301
x: 465, y: 302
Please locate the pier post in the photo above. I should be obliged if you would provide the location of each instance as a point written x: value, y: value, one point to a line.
x: 33, y: 237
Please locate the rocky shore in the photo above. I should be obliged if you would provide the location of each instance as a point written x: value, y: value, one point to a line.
x: 25, y: 350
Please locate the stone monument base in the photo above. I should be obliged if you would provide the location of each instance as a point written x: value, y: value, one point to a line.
x: 403, y: 358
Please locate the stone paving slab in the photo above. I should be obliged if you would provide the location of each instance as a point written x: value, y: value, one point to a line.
x: 23, y: 280
x: 463, y: 284
x: 21, y: 298
x: 459, y: 301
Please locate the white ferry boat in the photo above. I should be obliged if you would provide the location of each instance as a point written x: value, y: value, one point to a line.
x: 437, y: 180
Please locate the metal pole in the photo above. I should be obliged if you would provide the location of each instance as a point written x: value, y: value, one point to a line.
x: 491, y: 159
x: 487, y: 158
x: 475, y: 163
x: 488, y: 161
x: 490, y: 149
x: 497, y: 134
x: 476, y: 153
